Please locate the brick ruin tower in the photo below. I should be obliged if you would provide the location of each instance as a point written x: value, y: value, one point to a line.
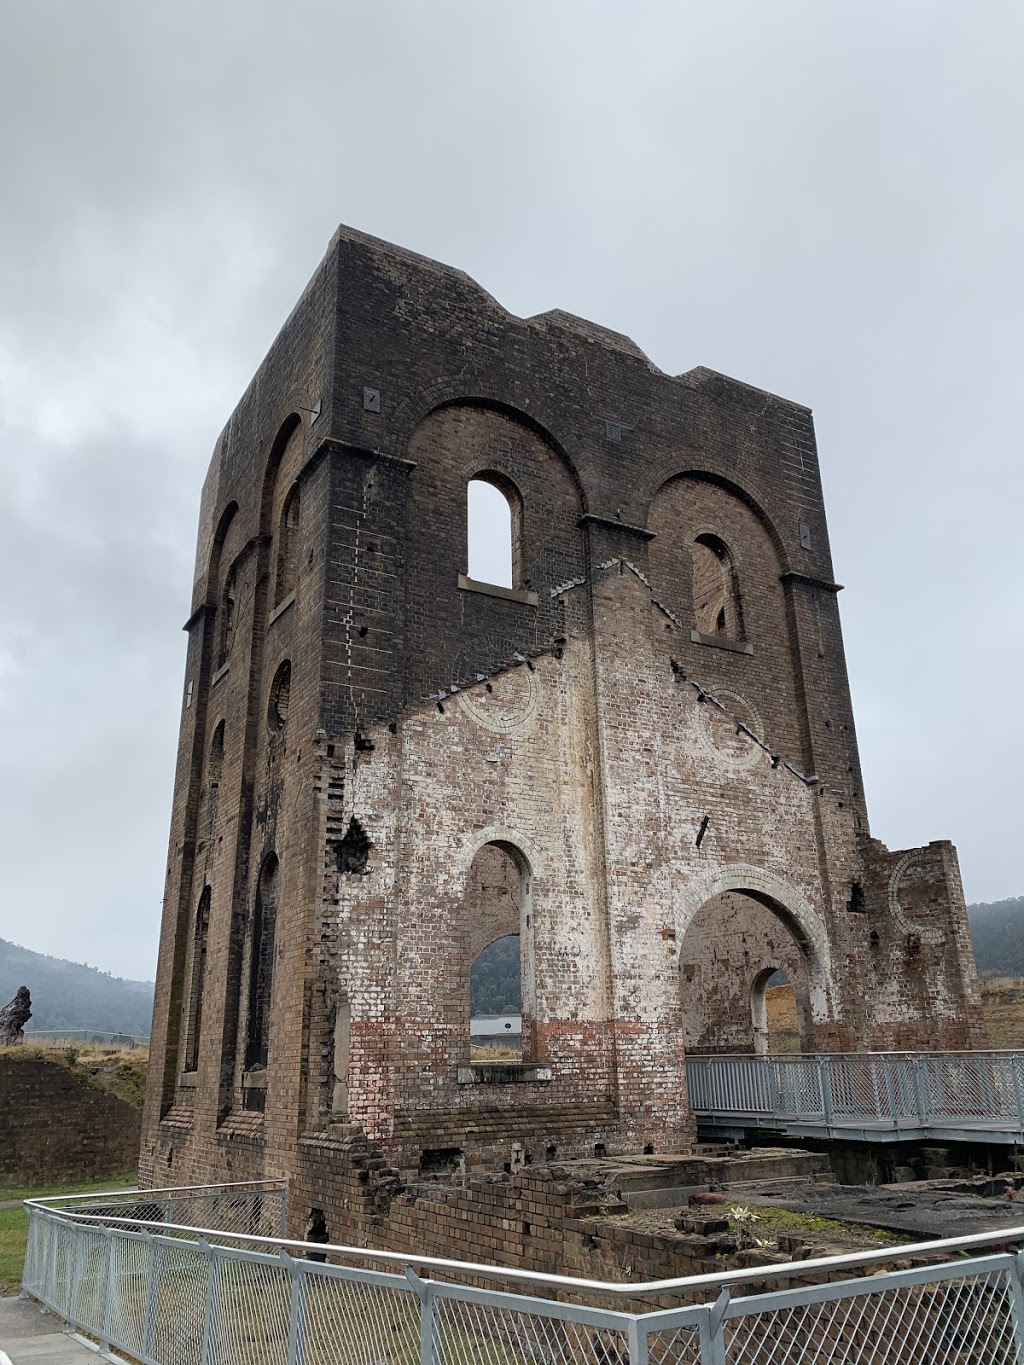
x: 637, y: 755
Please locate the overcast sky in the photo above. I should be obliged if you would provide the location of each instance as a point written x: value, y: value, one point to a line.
x: 823, y: 199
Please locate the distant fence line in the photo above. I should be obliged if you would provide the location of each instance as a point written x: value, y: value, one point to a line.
x: 53, y: 1037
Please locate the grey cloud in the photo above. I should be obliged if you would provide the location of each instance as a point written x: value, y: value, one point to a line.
x: 823, y: 200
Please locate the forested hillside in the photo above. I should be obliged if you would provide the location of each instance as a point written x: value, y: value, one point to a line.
x: 494, y: 979
x: 998, y: 933
x: 69, y: 995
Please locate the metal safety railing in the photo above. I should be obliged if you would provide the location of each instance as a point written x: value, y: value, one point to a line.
x: 948, y: 1094
x: 164, y: 1293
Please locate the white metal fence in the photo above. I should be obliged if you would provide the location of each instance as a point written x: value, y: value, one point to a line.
x: 167, y: 1294
x: 949, y: 1094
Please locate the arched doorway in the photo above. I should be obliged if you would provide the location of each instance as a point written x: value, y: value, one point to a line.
x: 497, y: 959
x: 743, y: 961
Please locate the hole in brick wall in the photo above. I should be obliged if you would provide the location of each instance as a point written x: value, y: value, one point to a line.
x: 362, y: 632
x: 280, y: 697
x: 855, y: 904
x: 353, y: 852
x: 440, y: 708
x: 488, y: 687
x: 316, y: 1231
x: 170, y: 1155
x: 648, y: 1149
x: 599, y: 1149
x: 363, y: 745
x: 440, y: 1160
x: 550, y: 1151
x: 703, y: 830
x: 527, y: 1230
x: 330, y: 751
x: 393, y: 728
x: 873, y: 938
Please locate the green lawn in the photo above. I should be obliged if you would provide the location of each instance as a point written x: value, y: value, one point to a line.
x: 14, y: 1222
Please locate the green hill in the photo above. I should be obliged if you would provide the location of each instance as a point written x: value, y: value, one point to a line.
x: 68, y: 995
x: 998, y: 933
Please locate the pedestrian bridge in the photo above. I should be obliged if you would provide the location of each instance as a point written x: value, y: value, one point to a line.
x: 863, y: 1096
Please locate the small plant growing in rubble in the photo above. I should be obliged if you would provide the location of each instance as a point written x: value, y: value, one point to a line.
x: 743, y: 1219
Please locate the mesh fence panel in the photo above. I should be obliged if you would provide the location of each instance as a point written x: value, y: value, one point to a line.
x: 680, y: 1346
x: 252, y: 1314
x: 129, y: 1283
x: 175, y: 1307
x: 346, y: 1323
x: 90, y: 1279
x: 954, y: 1322
x: 476, y: 1334
x: 65, y: 1261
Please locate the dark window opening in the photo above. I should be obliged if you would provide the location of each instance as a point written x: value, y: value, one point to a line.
x: 717, y: 609
x: 280, y: 697
x: 287, y: 545
x: 197, y: 974
x: 226, y: 625
x: 261, y: 966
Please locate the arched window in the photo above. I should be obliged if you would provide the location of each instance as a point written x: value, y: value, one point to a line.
x: 214, y: 768
x: 215, y: 764
x: 496, y: 1002
x: 226, y: 625
x: 194, y: 1016
x: 717, y: 610
x: 280, y: 697
x: 287, y: 545
x: 261, y: 966
x: 496, y: 914
x: 495, y: 531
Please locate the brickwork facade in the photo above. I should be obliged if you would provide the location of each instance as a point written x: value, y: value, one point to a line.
x: 640, y: 756
x: 55, y: 1126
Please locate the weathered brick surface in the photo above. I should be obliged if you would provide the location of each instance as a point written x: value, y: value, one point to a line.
x: 664, y: 812
x: 55, y: 1126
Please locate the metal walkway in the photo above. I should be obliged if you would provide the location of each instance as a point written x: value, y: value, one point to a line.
x: 863, y: 1096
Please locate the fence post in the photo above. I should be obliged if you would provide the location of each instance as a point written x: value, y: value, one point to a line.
x: 296, y: 1310
x: 825, y: 1084
x: 888, y: 1065
x: 636, y: 1337
x: 1016, y: 1064
x: 712, y: 1335
x: 209, y: 1349
x: 921, y: 1089
x: 106, y: 1312
x: 1015, y: 1276
x: 156, y: 1257
x: 75, y: 1276
x: 428, y: 1309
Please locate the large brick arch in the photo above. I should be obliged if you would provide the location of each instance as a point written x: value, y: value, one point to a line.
x: 786, y: 901
x: 449, y: 393
x: 661, y: 477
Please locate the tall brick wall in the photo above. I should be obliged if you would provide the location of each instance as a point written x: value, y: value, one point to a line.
x: 55, y: 1126
x: 663, y: 800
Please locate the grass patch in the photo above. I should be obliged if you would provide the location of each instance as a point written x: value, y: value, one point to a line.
x: 14, y: 1222
x: 120, y: 1070
x: 772, y: 1220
